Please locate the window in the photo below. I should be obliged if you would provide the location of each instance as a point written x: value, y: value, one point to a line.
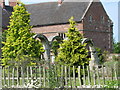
x: 90, y: 18
x: 62, y: 35
x: 102, y: 19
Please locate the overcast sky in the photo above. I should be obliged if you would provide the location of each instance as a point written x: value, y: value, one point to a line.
x: 111, y: 7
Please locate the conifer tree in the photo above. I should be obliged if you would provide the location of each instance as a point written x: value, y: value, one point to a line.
x: 19, y: 45
x: 72, y: 51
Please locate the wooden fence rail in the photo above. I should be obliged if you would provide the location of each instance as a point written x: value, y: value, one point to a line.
x: 57, y: 76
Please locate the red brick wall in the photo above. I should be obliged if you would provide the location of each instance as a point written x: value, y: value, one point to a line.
x: 100, y: 31
x: 12, y: 2
x: 53, y: 30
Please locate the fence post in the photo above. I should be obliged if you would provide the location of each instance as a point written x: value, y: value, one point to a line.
x: 0, y: 77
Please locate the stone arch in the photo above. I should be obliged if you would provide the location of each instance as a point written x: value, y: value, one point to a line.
x: 56, y: 38
x: 88, y: 41
x: 94, y: 62
x: 46, y: 45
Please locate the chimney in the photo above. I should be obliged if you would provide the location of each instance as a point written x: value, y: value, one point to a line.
x: 12, y: 3
x: 60, y: 2
x: 2, y: 3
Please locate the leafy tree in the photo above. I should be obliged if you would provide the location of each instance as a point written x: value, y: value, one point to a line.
x: 19, y: 46
x: 72, y: 51
x: 116, y: 47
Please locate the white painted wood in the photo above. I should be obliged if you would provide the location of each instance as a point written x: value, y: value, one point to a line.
x: 13, y: 72
x: 17, y: 76
x: 44, y: 79
x: 40, y: 78
x: 8, y: 76
x: 89, y: 79
x: 79, y: 75
x: 74, y: 79
x: 65, y: 75
x: 0, y: 77
x: 84, y: 80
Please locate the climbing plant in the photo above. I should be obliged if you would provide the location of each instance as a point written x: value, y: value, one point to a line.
x: 19, y: 47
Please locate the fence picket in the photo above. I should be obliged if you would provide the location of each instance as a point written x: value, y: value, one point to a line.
x: 94, y: 76
x: 103, y: 76
x: 79, y: 75
x: 62, y: 81
x: 115, y: 70
x: 35, y: 71
x: 55, y: 72
x: 13, y: 73
x: 4, y: 76
x: 31, y: 74
x: 40, y: 76
x: 74, y: 79
x: 107, y: 71
x: 48, y: 77
x: 27, y: 74
x: 89, y: 79
x: 69, y: 76
x: 44, y: 77
x: 8, y: 76
x: 112, y: 73
x: 1, y: 77
x: 84, y: 75
x: 22, y: 74
x: 98, y: 77
x: 15, y: 76
x: 65, y: 75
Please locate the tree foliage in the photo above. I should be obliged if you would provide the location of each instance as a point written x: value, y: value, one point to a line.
x: 19, y: 42
x: 116, y: 47
x: 55, y: 47
x: 101, y: 55
x: 72, y: 51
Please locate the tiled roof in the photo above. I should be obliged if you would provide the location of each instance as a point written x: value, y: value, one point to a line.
x: 50, y: 13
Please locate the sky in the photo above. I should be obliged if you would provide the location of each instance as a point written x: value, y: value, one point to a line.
x: 111, y: 7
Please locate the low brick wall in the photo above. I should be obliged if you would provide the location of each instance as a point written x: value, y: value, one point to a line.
x: 110, y: 56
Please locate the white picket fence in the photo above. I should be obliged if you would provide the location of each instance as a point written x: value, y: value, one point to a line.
x: 57, y: 76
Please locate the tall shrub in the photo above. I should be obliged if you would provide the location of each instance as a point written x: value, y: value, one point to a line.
x: 72, y: 51
x: 19, y: 47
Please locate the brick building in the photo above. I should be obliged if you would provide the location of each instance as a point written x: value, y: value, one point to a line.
x: 51, y: 19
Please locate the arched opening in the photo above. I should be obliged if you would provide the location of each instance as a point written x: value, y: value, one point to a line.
x: 94, y: 62
x: 55, y: 44
x: 46, y: 45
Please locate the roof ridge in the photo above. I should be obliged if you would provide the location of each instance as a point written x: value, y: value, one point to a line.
x: 38, y: 3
